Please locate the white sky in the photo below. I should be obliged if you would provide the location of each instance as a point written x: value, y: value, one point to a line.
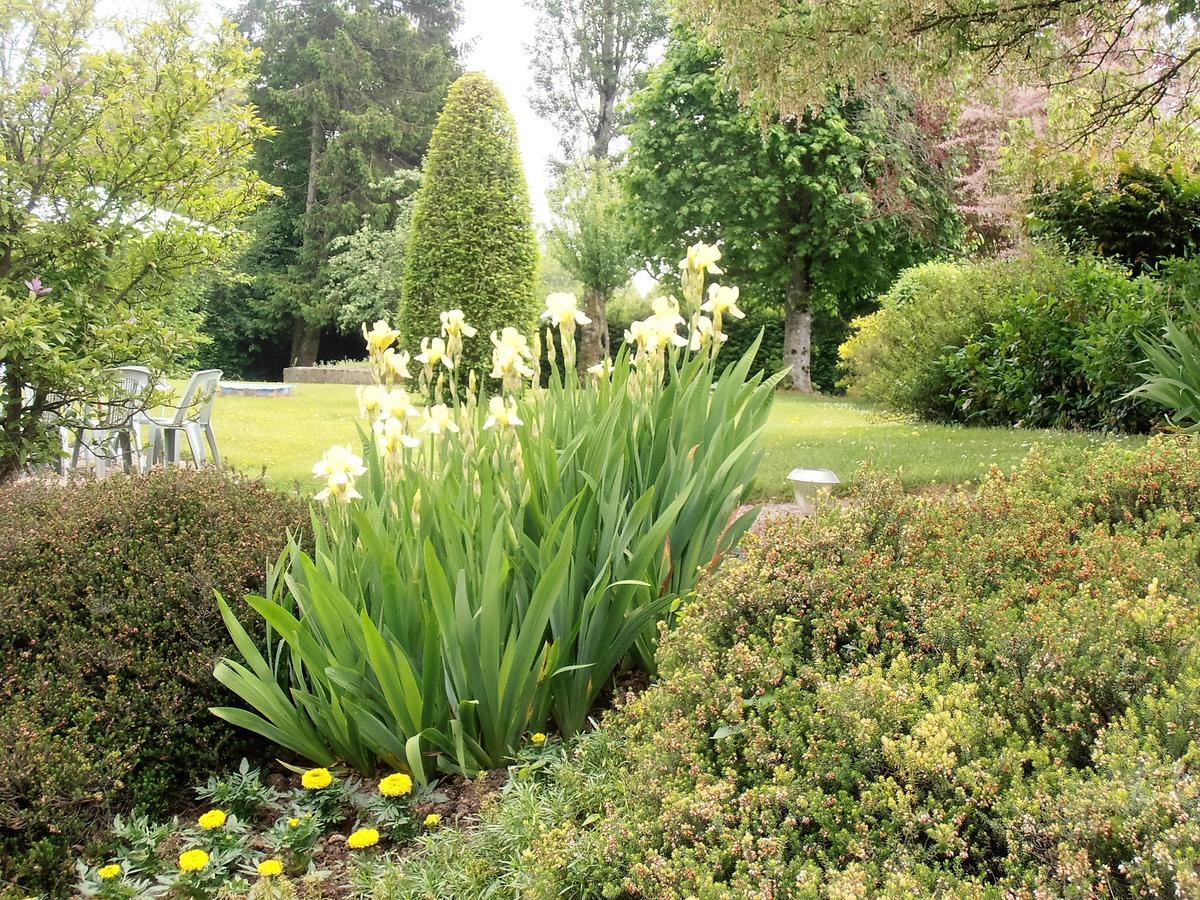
x: 497, y: 32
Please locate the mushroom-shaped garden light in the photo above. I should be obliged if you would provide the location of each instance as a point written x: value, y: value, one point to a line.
x: 808, y: 485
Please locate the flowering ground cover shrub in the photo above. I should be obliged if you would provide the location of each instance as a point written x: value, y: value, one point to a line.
x: 978, y: 695
x: 1037, y: 341
x: 488, y: 562
x: 317, y: 833
x: 108, y: 630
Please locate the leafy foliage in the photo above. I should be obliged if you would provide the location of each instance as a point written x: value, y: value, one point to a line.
x: 366, y: 268
x: 501, y: 562
x: 473, y: 245
x: 107, y: 630
x: 967, y: 696
x: 589, y: 236
x: 1173, y: 360
x: 1040, y: 341
x: 816, y: 213
x: 588, y: 57
x: 124, y: 172
x: 1116, y: 66
x: 1139, y: 217
x: 353, y: 91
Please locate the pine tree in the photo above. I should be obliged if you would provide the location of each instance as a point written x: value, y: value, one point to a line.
x: 473, y: 245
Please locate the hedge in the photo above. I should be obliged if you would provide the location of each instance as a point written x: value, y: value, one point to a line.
x: 473, y: 246
x: 108, y: 635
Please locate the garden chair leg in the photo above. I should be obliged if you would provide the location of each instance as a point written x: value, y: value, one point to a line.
x: 211, y: 436
x: 195, y: 444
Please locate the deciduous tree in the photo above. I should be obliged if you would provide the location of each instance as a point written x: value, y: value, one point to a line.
x: 814, y: 212
x: 588, y: 56
x: 590, y: 237
x: 354, y: 88
x: 1115, y: 64
x: 123, y: 172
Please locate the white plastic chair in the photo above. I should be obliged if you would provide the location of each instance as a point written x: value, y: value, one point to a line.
x: 192, y: 420
x: 116, y: 428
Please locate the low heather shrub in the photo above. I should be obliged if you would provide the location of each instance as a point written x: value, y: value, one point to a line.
x: 980, y: 695
x: 108, y: 634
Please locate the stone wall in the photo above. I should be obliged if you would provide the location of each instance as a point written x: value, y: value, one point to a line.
x: 326, y: 375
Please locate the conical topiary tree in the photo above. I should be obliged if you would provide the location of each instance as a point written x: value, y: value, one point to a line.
x: 473, y: 245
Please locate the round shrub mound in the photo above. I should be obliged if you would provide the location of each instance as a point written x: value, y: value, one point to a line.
x: 473, y: 245
x: 1041, y: 341
x: 108, y: 635
x: 992, y: 695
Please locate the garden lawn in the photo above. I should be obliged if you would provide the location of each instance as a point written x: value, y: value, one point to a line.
x: 283, y: 437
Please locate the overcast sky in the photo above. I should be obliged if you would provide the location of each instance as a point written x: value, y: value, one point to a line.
x: 496, y: 32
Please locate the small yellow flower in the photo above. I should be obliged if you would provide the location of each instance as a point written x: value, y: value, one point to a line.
x: 433, y: 351
x: 380, y: 337
x: 112, y: 870
x: 454, y: 324
x: 562, y: 309
x: 722, y: 301
x: 396, y: 785
x: 339, y: 466
x: 293, y: 822
x: 363, y: 838
x: 192, y: 860
x: 433, y: 820
x: 316, y: 779
x: 702, y: 257
x: 502, y: 413
x: 211, y: 820
x: 395, y: 365
x: 269, y: 868
x: 438, y: 419
x: 538, y: 739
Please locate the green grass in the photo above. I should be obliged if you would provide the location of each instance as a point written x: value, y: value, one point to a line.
x: 284, y: 436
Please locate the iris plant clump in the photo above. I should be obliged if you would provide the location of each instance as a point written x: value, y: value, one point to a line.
x: 486, y: 561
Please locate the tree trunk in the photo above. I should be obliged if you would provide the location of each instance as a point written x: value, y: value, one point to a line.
x: 797, y: 332
x: 14, y: 439
x: 306, y: 338
x: 306, y: 341
x: 593, y: 338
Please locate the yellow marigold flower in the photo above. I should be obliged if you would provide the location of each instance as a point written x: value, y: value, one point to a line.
x: 433, y: 820
x: 211, y: 820
x: 269, y: 868
x: 316, y: 779
x: 192, y: 860
x: 363, y: 838
x: 396, y: 785
x: 538, y: 739
x: 293, y: 822
x: 112, y: 870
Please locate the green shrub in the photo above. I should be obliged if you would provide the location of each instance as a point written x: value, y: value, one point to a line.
x: 1038, y: 341
x: 473, y: 246
x: 108, y: 633
x: 1140, y: 216
x: 975, y: 695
